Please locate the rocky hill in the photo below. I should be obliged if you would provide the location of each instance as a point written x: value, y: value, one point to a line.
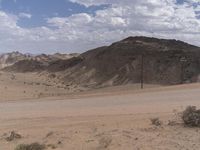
x: 163, y: 62
x: 9, y: 59
x: 18, y: 62
x: 24, y: 66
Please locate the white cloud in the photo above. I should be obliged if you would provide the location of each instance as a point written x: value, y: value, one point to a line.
x: 74, y: 20
x: 25, y: 15
x: 159, y: 18
x: 192, y: 1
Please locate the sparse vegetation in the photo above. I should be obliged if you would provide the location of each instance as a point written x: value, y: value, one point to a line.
x: 105, y: 142
x: 156, y: 121
x: 59, y: 142
x: 52, y: 76
x: 13, y: 135
x: 52, y: 146
x: 191, y: 116
x: 171, y: 123
x: 33, y: 146
x: 49, y: 134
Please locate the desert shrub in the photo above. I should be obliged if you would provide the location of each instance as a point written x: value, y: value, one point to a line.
x: 52, y: 75
x: 156, y: 121
x: 172, y: 123
x: 49, y: 134
x: 33, y: 146
x: 191, y: 116
x: 52, y: 146
x: 105, y: 142
x: 13, y: 135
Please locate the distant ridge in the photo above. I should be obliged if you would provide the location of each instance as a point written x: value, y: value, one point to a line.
x: 9, y: 59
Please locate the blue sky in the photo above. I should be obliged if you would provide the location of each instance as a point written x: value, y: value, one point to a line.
x: 42, y: 9
x: 48, y: 26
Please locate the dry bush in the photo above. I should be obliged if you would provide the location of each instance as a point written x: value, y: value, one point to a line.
x: 156, y: 121
x: 105, y: 142
x: 172, y: 123
x: 33, y: 146
x: 191, y: 116
x: 13, y: 135
x: 52, y: 146
x: 52, y: 76
x: 49, y: 134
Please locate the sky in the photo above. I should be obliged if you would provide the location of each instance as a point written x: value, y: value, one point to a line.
x: 69, y: 26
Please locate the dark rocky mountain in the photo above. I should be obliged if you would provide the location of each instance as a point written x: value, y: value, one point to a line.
x: 62, y: 64
x: 26, y: 66
x: 164, y: 62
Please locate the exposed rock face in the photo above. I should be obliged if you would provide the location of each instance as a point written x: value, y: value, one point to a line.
x: 165, y: 62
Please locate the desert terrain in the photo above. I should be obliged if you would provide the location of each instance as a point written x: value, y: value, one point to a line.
x: 41, y: 86
x: 99, y: 74
x: 115, y: 118
x: 20, y: 86
x: 93, y: 100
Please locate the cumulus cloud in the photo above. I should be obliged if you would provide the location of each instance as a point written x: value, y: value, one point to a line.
x: 158, y: 18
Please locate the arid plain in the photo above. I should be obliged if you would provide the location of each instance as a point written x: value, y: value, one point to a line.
x: 115, y: 118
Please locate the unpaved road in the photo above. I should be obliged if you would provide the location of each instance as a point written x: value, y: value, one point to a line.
x: 118, y: 121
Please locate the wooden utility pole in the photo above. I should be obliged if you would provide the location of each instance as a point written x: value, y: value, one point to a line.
x: 183, y: 60
x: 142, y: 71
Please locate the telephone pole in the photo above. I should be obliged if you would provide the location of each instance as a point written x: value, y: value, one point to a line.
x: 142, y: 71
x: 183, y: 60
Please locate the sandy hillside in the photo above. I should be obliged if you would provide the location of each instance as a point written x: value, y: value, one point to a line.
x: 114, y: 121
x: 20, y: 86
x: 28, y: 86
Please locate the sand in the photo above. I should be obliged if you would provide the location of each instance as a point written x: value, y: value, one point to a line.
x: 113, y: 119
x: 26, y: 86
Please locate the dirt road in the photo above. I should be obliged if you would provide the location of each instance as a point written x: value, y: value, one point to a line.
x: 116, y: 121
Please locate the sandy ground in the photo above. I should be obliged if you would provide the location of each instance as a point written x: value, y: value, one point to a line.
x: 28, y: 86
x: 113, y: 119
x: 20, y: 86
